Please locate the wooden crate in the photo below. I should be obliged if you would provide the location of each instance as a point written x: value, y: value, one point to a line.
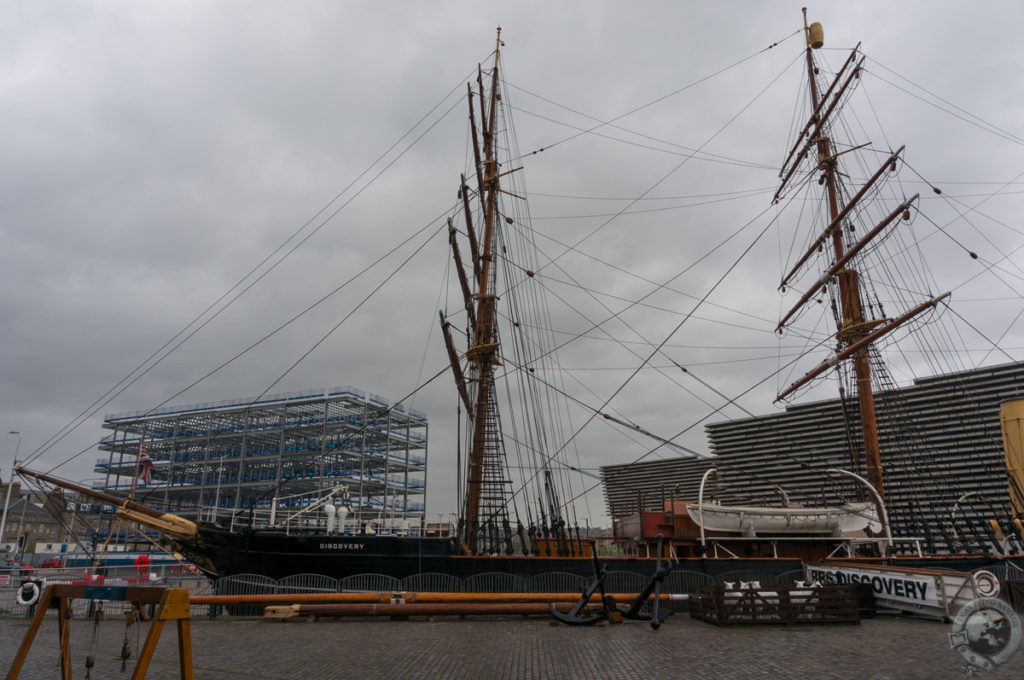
x: 783, y: 604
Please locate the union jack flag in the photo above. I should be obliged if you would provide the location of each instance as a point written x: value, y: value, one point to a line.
x: 146, y: 467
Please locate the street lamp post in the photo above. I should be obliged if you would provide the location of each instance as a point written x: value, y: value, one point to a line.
x: 10, y: 485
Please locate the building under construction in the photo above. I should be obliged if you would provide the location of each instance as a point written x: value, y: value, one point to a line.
x: 942, y: 452
x: 254, y: 461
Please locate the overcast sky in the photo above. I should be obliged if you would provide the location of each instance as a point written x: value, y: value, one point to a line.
x: 154, y: 153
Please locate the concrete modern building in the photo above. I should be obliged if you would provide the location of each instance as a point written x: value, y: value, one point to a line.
x: 941, y: 443
x: 251, y: 460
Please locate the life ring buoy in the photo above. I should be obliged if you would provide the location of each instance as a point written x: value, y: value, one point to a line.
x: 986, y: 583
x: 142, y: 564
x: 29, y: 592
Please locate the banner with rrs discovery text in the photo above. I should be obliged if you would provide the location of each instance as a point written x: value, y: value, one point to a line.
x: 900, y: 591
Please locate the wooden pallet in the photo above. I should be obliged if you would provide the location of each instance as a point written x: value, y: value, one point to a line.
x: 783, y: 604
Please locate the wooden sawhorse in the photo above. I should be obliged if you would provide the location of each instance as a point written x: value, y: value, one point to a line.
x: 173, y: 606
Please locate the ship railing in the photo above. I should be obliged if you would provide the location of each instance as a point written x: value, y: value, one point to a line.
x: 849, y: 545
x: 846, y: 546
x: 393, y: 524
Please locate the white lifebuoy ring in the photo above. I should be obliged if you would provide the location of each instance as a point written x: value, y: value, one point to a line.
x: 986, y: 582
x: 29, y: 593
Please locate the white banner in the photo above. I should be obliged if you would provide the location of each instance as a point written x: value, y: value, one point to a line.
x: 897, y: 590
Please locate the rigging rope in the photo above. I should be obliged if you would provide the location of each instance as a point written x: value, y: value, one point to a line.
x: 184, y: 334
x: 651, y: 103
x: 287, y: 323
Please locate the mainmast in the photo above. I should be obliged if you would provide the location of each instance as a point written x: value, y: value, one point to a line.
x: 483, y: 353
x: 853, y: 326
x: 490, y: 521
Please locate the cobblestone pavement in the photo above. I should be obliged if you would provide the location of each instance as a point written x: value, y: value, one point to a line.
x: 886, y: 648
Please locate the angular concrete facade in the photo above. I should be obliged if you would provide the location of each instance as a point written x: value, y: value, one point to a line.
x: 940, y: 439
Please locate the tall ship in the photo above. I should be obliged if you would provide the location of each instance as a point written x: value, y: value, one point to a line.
x: 516, y: 513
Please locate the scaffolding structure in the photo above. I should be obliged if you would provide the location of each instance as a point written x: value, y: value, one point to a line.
x: 252, y: 461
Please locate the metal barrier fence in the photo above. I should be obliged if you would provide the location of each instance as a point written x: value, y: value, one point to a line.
x: 163, y: 576
x: 677, y: 582
x: 254, y: 584
x: 493, y: 582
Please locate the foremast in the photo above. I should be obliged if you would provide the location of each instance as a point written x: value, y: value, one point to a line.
x: 855, y: 333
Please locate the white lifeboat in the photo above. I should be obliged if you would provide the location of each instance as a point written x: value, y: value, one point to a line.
x: 779, y: 521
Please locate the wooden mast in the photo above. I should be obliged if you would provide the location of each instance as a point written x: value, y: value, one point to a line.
x: 484, y: 351
x: 852, y: 327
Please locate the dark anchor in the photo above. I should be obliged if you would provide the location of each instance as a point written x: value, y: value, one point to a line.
x: 608, y: 607
x: 657, y: 614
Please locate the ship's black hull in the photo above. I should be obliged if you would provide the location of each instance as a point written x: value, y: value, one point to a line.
x: 278, y: 555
